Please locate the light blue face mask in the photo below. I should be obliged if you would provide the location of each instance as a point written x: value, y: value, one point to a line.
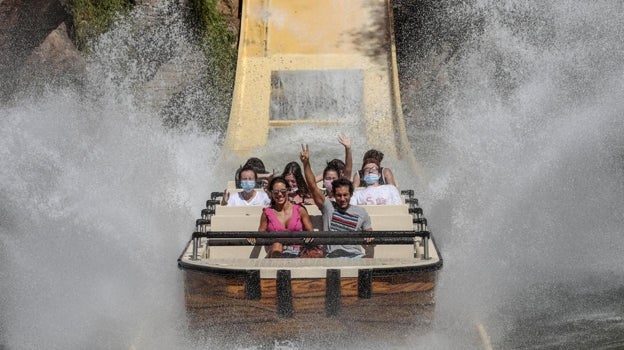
x: 371, y: 178
x: 248, y: 185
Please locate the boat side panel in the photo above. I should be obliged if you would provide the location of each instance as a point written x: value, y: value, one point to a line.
x: 202, y: 289
x: 211, y: 307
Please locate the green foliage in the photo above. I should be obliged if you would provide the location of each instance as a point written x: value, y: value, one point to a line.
x: 219, y: 41
x: 94, y: 17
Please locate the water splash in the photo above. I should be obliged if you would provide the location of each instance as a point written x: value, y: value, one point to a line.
x: 526, y: 169
x: 98, y: 199
x: 523, y: 148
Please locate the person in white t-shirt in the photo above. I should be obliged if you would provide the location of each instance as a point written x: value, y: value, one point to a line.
x: 374, y: 193
x: 248, y: 196
x: 385, y: 174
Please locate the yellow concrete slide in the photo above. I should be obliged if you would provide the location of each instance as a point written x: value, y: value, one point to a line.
x: 317, y: 64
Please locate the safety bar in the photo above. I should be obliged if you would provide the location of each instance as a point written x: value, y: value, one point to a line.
x: 234, y: 238
x: 212, y: 202
x: 311, y: 234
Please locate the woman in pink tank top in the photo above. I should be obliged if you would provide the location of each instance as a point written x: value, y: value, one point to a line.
x: 283, y: 216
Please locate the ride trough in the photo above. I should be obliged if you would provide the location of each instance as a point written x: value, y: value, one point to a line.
x: 230, y: 287
x: 229, y: 283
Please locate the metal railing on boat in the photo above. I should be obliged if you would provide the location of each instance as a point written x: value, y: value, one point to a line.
x: 233, y: 238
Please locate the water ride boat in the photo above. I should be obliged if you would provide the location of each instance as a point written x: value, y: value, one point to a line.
x: 302, y: 66
x: 229, y: 282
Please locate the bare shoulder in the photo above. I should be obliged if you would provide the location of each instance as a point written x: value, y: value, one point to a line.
x: 303, y: 210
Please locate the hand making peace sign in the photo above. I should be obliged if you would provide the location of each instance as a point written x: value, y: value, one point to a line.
x: 305, y: 153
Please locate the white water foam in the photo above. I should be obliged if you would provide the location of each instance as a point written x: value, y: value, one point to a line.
x: 524, y: 188
x: 98, y: 200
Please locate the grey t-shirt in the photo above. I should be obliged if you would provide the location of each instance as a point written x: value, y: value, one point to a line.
x: 353, y: 219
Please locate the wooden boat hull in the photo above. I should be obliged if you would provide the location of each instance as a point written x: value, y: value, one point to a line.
x: 398, y: 304
x: 232, y: 288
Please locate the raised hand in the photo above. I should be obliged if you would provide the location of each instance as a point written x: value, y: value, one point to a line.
x: 344, y: 140
x: 305, y: 153
x: 317, y: 195
x: 226, y: 196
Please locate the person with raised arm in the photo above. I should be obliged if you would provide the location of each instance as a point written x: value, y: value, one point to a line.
x: 338, y: 215
x: 344, y: 168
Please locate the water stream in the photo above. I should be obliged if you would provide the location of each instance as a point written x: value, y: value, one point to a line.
x: 522, y: 153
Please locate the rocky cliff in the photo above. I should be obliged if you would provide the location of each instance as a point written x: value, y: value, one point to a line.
x: 38, y: 39
x: 34, y: 34
x: 38, y: 42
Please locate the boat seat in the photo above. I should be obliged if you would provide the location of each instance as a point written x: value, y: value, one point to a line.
x: 312, y: 210
x: 250, y: 222
x: 386, y: 209
x: 400, y: 222
x: 258, y: 252
x: 236, y: 222
x: 248, y: 219
x: 248, y: 210
x: 230, y: 210
x: 238, y: 252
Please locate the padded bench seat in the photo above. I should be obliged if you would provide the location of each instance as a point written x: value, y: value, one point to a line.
x: 247, y: 218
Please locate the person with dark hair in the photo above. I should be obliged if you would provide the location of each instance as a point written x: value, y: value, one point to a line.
x: 375, y: 193
x: 330, y: 174
x: 338, y: 165
x: 247, y: 178
x: 338, y: 215
x: 299, y: 193
x: 257, y: 164
x: 282, y: 215
x: 344, y: 168
x: 385, y: 174
x: 262, y: 175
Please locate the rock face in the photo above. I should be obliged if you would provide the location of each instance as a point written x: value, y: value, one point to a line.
x: 35, y: 41
x: 231, y: 10
x: 35, y: 45
x: 57, y: 55
x: 24, y: 25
